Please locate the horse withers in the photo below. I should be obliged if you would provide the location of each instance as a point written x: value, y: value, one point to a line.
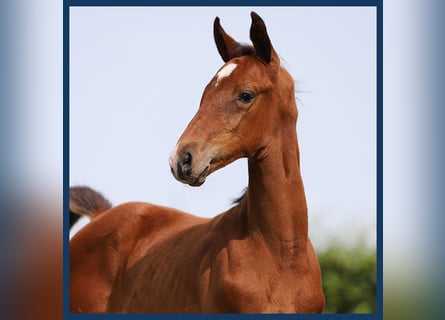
x: 254, y: 258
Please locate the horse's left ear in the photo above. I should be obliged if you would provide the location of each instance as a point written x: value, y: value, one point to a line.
x: 261, y: 42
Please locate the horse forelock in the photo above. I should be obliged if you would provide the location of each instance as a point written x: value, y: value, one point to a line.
x: 243, y: 50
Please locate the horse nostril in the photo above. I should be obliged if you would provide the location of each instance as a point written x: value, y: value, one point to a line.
x: 185, y: 166
x: 187, y: 161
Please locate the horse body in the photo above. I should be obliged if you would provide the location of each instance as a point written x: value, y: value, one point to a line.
x: 139, y: 257
x: 257, y: 256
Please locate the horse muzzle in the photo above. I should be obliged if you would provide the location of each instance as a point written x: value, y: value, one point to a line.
x: 188, y: 166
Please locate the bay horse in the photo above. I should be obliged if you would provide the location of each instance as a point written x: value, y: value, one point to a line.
x: 254, y: 258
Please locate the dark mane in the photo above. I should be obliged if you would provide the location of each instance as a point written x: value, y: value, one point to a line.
x: 243, y: 50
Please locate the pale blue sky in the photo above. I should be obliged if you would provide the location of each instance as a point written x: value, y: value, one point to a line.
x: 136, y: 79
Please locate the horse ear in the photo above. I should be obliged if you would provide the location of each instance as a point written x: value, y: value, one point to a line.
x: 226, y: 44
x: 261, y: 42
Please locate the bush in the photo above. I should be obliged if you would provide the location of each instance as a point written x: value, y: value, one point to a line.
x: 349, y: 279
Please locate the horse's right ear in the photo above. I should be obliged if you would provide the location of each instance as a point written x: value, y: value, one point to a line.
x: 226, y: 44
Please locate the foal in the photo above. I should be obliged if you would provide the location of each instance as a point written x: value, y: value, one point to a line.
x: 256, y: 257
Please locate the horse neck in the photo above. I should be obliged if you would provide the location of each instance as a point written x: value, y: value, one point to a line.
x: 276, y: 203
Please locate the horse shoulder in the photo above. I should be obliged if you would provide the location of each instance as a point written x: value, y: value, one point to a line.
x: 232, y: 272
x: 244, y: 277
x: 299, y: 288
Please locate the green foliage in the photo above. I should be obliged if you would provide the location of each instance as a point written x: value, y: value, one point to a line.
x: 349, y: 279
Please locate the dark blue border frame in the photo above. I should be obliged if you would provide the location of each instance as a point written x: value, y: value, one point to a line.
x: 378, y: 4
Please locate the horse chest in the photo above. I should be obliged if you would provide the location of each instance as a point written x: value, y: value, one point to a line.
x: 242, y: 282
x: 267, y: 294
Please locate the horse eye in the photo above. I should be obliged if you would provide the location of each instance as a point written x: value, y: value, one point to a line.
x: 246, y: 97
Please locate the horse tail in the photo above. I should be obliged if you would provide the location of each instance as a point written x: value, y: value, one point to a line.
x: 84, y: 201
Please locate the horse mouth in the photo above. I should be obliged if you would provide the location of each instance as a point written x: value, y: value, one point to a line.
x: 199, y: 181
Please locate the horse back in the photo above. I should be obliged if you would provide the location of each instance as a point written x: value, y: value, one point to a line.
x: 113, y: 246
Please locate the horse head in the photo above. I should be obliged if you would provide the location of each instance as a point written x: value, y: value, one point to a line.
x: 241, y: 109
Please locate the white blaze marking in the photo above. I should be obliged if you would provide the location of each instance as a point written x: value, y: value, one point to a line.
x: 225, y: 72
